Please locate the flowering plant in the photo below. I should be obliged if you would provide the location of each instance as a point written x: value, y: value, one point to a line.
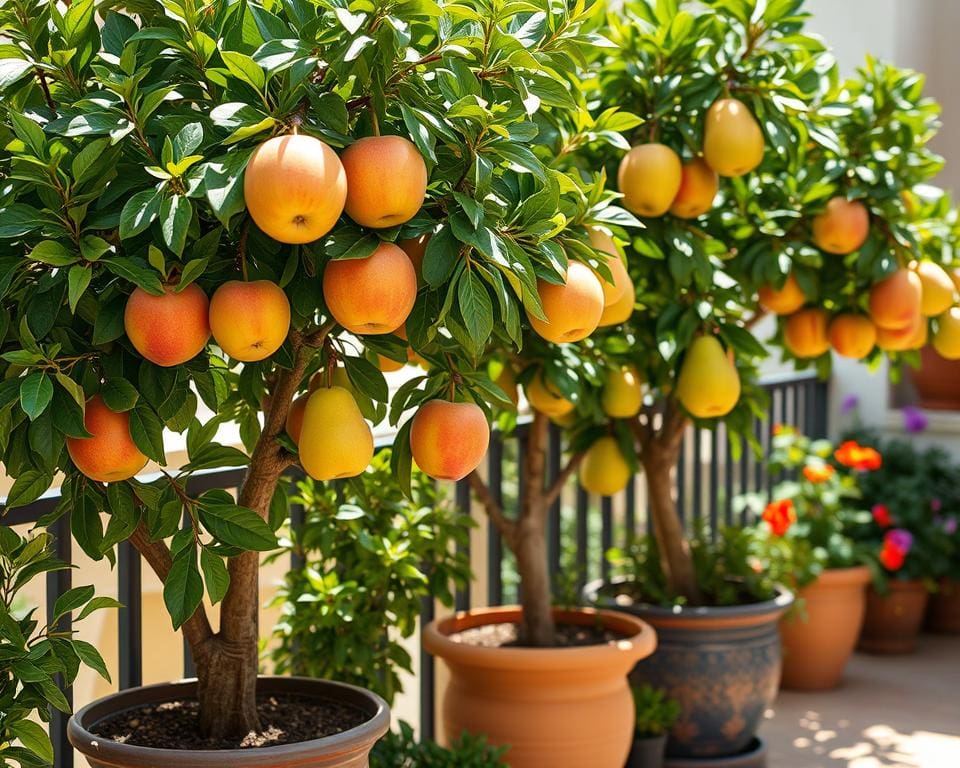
x: 814, y: 503
x: 911, y: 511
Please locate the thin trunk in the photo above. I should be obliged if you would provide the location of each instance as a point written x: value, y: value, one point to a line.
x: 660, y: 455
x: 227, y: 666
x: 530, y: 543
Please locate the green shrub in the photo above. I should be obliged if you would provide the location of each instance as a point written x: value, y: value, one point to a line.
x: 402, y: 750
x: 656, y: 714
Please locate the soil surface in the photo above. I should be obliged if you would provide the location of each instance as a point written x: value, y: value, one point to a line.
x: 283, y: 720
x: 507, y: 635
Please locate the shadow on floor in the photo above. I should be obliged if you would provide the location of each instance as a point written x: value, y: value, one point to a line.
x: 891, y: 712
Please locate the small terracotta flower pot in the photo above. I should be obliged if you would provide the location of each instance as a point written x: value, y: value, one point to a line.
x: 893, y: 619
x: 936, y: 381
x: 943, y: 613
x: 556, y: 707
x: 820, y: 635
x: 350, y: 749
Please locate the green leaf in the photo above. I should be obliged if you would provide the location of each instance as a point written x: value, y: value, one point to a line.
x: 12, y: 70
x: 475, y: 307
x: 183, y: 589
x: 28, y: 487
x: 191, y: 272
x: 18, y: 219
x: 175, y: 215
x: 132, y: 272
x: 98, y: 604
x: 70, y: 600
x: 215, y: 575
x: 138, y: 212
x: 91, y: 657
x: 238, y: 527
x: 32, y: 735
x: 119, y: 395
x: 146, y: 429
x: 36, y: 392
x: 244, y: 68
x: 213, y: 456
x: 53, y: 253
x: 367, y: 378
x: 78, y: 279
x: 223, y: 183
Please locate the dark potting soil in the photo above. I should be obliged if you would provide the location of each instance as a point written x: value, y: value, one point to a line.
x: 283, y: 720
x: 507, y: 635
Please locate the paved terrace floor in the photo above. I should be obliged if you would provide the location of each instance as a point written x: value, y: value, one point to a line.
x: 890, y: 712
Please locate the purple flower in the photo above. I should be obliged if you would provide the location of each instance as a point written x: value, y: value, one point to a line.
x: 950, y: 526
x: 935, y: 505
x: 850, y: 403
x: 914, y: 420
x: 900, y: 539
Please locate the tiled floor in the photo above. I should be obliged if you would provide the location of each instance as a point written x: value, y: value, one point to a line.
x: 891, y: 712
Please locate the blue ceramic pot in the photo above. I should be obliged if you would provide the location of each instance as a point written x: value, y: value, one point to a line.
x: 721, y: 664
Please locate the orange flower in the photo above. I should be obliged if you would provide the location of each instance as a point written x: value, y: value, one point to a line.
x: 852, y: 454
x: 818, y: 473
x: 780, y: 515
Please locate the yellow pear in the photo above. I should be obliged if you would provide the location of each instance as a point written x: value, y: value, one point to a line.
x: 732, y: 139
x: 612, y: 292
x: 545, y: 398
x: 649, y: 179
x: 708, y: 385
x: 621, y: 311
x: 604, y: 470
x: 622, y: 394
x: 507, y: 381
x: 947, y: 338
x: 335, y: 440
x: 936, y: 289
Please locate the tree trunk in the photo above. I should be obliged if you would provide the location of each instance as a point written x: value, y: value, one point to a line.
x: 660, y: 457
x: 228, y: 663
x: 530, y: 543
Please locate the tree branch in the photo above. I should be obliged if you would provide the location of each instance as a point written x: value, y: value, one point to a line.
x: 46, y: 90
x: 556, y: 488
x: 197, y: 628
x: 760, y: 314
x: 494, y: 511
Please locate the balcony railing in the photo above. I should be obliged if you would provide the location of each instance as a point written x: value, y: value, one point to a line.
x: 708, y: 479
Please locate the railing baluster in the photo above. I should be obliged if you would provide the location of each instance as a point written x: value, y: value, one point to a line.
x: 714, y: 480
x: 681, y: 481
x: 697, y: 468
x: 630, y: 511
x: 583, y: 535
x: 462, y: 598
x: 554, y: 458
x: 59, y: 582
x: 427, y: 677
x: 130, y: 617
x: 494, y: 541
x: 606, y: 535
x: 727, y: 479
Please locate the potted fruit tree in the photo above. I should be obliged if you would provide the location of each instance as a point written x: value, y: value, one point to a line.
x: 210, y: 203
x: 757, y: 177
x: 830, y: 571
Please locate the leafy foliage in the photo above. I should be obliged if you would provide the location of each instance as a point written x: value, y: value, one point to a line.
x: 655, y: 713
x: 402, y: 750
x: 37, y: 656
x: 370, y: 556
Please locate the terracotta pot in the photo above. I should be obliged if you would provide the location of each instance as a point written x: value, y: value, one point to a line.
x: 819, y: 637
x: 647, y: 752
x: 893, y: 620
x: 721, y: 664
x: 556, y: 707
x: 943, y: 613
x: 349, y: 749
x: 936, y: 381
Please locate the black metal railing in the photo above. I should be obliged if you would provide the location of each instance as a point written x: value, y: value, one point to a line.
x: 581, y: 528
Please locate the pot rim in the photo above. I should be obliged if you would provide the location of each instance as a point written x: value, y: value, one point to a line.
x: 854, y: 574
x: 640, y: 642
x: 781, y: 602
x: 116, y: 753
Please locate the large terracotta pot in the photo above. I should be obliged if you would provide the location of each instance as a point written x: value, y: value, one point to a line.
x: 893, y: 619
x: 553, y: 707
x: 936, y: 381
x: 721, y: 664
x: 819, y: 637
x: 943, y: 613
x: 350, y: 749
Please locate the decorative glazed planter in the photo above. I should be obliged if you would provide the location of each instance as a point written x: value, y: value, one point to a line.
x: 647, y: 752
x: 936, y: 381
x: 943, y: 612
x: 722, y: 665
x: 893, y: 619
x: 556, y: 707
x: 819, y: 637
x: 350, y: 749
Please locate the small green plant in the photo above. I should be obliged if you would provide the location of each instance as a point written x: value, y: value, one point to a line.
x: 369, y: 557
x: 656, y: 713
x: 32, y: 654
x: 400, y: 749
x: 734, y: 567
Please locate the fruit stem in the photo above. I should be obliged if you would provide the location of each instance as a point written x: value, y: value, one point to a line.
x: 374, y: 120
x: 331, y: 361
